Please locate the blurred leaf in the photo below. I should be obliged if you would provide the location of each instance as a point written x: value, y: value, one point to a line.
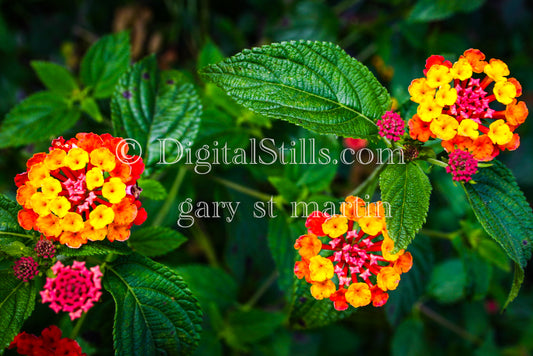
x: 36, y: 118
x: 90, y: 107
x: 493, y: 253
x: 209, y: 54
x: 409, y: 339
x: 405, y: 191
x: 312, y: 84
x: 95, y: 248
x: 155, y: 311
x: 248, y: 327
x: 279, y: 344
x: 17, y: 300
x: 448, y: 281
x: 104, y: 63
x: 478, y: 271
x: 55, y: 77
x: 13, y: 247
x: 155, y: 240
x: 210, y: 285
x: 285, y: 187
x: 504, y: 213
x: 148, y: 106
x: 413, y: 284
x: 431, y: 10
x: 281, y: 238
x: 152, y: 189
x: 8, y: 215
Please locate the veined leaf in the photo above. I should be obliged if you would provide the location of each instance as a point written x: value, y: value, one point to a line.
x: 502, y: 210
x: 156, y: 314
x: 152, y: 189
x: 312, y: 84
x: 432, y: 10
x: 155, y: 240
x: 405, y: 191
x: 36, y: 118
x: 148, y: 106
x: 96, y: 248
x: 17, y: 300
x: 105, y: 62
x: 251, y: 326
x: 55, y: 77
x: 8, y: 215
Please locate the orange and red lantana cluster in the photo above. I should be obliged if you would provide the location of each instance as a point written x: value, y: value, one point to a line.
x: 355, y: 265
x: 81, y: 190
x: 453, y: 105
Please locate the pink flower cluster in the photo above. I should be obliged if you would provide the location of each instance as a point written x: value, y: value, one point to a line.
x: 74, y: 289
x: 391, y: 126
x: 25, y: 268
x: 472, y: 102
x: 462, y: 165
x: 45, y: 248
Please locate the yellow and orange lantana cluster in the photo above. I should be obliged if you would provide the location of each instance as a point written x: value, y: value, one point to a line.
x: 453, y: 105
x: 348, y: 257
x: 81, y: 190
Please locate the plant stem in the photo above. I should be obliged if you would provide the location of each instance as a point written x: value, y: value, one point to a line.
x: 437, y: 162
x: 77, y: 327
x: 251, y: 192
x: 368, y: 181
x: 439, y: 319
x: 171, y: 196
x: 261, y: 290
x: 205, y: 243
x: 438, y: 234
x: 16, y: 234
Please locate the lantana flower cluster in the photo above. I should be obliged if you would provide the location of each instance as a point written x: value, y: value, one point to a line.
x: 471, y: 105
x: 349, y: 258
x: 74, y: 289
x: 49, y: 343
x: 84, y: 189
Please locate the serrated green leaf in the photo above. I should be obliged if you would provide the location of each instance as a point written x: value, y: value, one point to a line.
x: 152, y: 189
x: 312, y: 84
x: 432, y: 10
x: 405, y: 191
x: 155, y: 240
x: 104, y: 63
x: 37, y: 118
x: 155, y: 313
x: 96, y: 248
x: 281, y: 237
x: 210, y: 285
x: 8, y: 215
x: 17, y: 300
x: 148, y: 106
x: 309, y: 313
x: 502, y: 210
x: 55, y: 77
x: 90, y: 107
x: 448, y: 281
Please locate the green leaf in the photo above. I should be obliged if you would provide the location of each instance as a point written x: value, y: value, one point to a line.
x: 281, y: 237
x: 405, y: 191
x: 17, y: 300
x: 155, y: 240
x: 37, y: 118
x: 147, y: 106
x: 152, y: 189
x: 95, y: 248
x: 250, y: 326
x: 432, y: 10
x: 90, y: 107
x: 8, y: 215
x: 55, y: 77
x: 285, y: 187
x: 312, y: 84
x: 504, y: 213
x: 105, y: 62
x: 309, y: 313
x: 209, y: 54
x: 210, y: 285
x: 13, y: 247
x: 409, y: 339
x: 448, y: 281
x: 155, y: 313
